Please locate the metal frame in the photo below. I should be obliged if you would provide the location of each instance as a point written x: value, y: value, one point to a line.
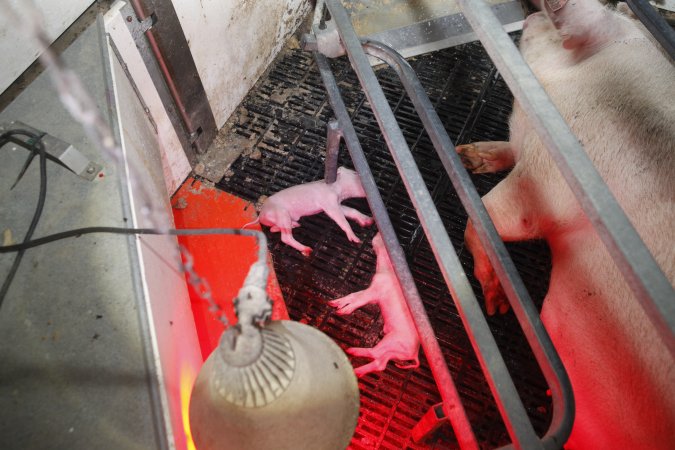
x: 630, y: 254
x: 163, y: 46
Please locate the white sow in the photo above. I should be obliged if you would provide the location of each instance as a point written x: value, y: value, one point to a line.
x: 617, y: 91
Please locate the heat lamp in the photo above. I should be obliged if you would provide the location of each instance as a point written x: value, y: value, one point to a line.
x: 272, y: 384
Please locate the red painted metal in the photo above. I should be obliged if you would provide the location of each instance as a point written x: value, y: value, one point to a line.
x: 222, y: 260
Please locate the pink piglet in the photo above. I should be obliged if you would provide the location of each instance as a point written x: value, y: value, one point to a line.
x: 400, y: 341
x: 282, y: 210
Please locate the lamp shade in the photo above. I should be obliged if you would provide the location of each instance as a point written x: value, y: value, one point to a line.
x: 288, y: 387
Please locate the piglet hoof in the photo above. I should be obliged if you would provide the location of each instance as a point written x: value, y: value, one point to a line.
x: 495, y: 300
x: 340, y: 305
x: 354, y: 239
x: 306, y: 251
x: 362, y: 371
x: 367, y: 222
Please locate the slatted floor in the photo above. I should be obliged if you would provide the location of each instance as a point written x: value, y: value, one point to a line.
x: 283, y: 120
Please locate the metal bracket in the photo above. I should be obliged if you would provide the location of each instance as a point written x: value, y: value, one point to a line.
x: 67, y: 155
x: 326, y: 42
x: 147, y: 23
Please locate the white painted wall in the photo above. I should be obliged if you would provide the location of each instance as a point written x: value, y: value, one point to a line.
x: 233, y: 42
x: 18, y: 52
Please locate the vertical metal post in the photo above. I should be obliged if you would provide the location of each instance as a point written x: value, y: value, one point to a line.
x: 334, y: 133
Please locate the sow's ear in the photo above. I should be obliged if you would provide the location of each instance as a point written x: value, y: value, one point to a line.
x: 578, y: 21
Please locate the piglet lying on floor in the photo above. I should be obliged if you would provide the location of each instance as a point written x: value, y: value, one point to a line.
x: 400, y: 341
x: 282, y: 210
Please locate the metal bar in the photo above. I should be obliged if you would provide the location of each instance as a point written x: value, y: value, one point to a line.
x: 334, y: 134
x: 171, y: 49
x: 140, y: 13
x: 656, y: 24
x: 523, y: 307
x: 508, y: 402
x: 452, y: 405
x: 137, y: 30
x: 642, y: 273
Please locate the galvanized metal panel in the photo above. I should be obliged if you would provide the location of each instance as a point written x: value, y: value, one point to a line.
x: 18, y: 52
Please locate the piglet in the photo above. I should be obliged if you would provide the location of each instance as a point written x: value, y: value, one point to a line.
x: 282, y: 210
x: 400, y: 341
x: 616, y: 91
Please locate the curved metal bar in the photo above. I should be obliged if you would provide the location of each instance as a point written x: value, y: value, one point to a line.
x: 508, y: 401
x: 523, y: 307
x: 452, y: 406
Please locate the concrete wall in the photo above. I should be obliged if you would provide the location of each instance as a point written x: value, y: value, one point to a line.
x: 233, y: 42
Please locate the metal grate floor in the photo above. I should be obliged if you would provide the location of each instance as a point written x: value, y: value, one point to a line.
x: 283, y: 120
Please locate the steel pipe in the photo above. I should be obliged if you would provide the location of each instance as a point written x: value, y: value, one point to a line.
x: 161, y: 61
x: 333, y: 135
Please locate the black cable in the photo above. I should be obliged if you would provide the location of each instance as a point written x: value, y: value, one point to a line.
x: 26, y: 244
x: 35, y: 143
x: 88, y: 230
x: 23, y: 143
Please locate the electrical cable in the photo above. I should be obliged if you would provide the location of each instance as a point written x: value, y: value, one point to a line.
x: 27, y: 244
x: 22, y: 143
x: 76, y: 232
x: 34, y: 143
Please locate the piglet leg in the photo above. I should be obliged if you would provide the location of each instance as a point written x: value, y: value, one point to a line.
x: 387, y: 349
x: 288, y: 239
x: 353, y: 301
x: 378, y: 363
x: 285, y: 226
x: 486, y: 157
x: 335, y: 212
x: 357, y: 216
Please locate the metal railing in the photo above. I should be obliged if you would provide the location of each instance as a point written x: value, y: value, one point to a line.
x: 336, y: 37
